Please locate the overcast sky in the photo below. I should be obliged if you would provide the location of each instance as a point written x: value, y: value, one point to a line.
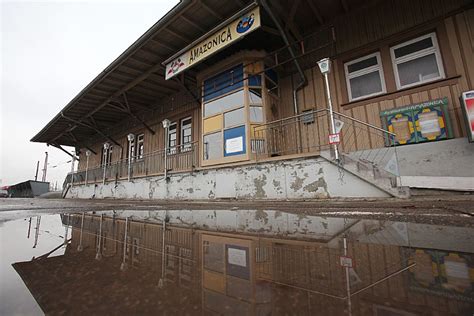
x: 49, y: 51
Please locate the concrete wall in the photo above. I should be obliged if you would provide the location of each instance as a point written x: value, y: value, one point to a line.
x: 447, y: 164
x: 308, y: 178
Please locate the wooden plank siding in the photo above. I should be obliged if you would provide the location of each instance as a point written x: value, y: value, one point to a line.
x: 456, y: 40
x: 364, y: 30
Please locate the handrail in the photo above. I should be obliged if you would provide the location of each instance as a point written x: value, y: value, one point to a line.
x: 364, y: 123
x: 290, y: 117
x: 326, y: 110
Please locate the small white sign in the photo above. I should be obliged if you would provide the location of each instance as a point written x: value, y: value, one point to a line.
x: 237, y: 257
x: 334, y: 139
x: 346, y: 261
x: 338, y: 124
x: 234, y: 145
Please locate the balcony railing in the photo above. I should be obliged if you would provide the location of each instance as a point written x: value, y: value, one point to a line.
x: 178, y: 159
x: 309, y: 132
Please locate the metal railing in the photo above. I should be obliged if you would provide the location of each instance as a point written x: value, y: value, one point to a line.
x: 179, y: 159
x: 309, y: 132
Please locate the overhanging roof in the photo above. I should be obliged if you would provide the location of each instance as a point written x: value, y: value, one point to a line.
x: 134, y: 84
x: 135, y: 79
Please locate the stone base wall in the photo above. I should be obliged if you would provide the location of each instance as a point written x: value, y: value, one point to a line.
x: 308, y: 178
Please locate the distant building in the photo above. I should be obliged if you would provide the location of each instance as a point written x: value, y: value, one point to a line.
x: 28, y: 189
x: 226, y: 100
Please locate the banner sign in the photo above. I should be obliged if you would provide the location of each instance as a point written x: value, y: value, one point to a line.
x: 232, y: 32
x: 421, y: 122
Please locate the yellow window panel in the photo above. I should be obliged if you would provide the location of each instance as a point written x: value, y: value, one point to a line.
x: 212, y: 124
x: 258, y: 132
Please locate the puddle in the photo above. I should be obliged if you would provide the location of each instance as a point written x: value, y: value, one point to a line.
x: 235, y: 262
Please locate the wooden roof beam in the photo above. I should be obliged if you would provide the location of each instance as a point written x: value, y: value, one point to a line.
x: 165, y: 45
x: 192, y: 23
x: 212, y: 12
x: 88, y: 126
x: 179, y: 35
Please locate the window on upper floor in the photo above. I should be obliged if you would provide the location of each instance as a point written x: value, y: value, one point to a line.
x: 140, y: 146
x: 417, y: 61
x: 364, y: 77
x: 186, y: 134
x: 172, y: 138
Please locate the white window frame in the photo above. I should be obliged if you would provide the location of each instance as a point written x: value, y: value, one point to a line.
x: 172, y: 149
x: 139, y: 154
x: 362, y: 72
x: 416, y: 55
x: 186, y: 146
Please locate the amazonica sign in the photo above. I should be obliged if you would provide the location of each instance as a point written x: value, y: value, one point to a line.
x: 230, y: 33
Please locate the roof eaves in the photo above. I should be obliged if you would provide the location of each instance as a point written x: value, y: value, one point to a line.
x: 129, y: 51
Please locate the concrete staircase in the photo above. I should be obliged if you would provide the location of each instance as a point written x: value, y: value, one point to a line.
x: 370, y: 173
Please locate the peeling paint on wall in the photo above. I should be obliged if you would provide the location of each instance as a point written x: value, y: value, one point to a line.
x: 292, y: 179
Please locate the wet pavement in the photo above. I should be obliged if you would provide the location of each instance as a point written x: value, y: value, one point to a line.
x: 234, y: 260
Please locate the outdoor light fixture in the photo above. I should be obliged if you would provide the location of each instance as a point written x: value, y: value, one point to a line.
x: 88, y: 153
x: 325, y: 67
x: 130, y: 137
x: 106, y: 146
x: 166, y: 123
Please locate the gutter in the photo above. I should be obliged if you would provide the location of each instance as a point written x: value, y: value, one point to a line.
x: 117, y: 62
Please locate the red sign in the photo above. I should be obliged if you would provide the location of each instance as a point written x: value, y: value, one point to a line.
x: 334, y: 139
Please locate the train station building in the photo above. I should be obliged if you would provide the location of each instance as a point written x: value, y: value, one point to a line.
x: 280, y: 100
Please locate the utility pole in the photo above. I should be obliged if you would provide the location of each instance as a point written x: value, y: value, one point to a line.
x: 45, y: 168
x: 37, y: 168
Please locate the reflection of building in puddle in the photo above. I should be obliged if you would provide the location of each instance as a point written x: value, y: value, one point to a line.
x: 224, y: 267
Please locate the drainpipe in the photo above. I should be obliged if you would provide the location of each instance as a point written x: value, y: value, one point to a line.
x: 303, y: 81
x: 287, y: 43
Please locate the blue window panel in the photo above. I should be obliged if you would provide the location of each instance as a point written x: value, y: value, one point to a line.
x: 224, y: 82
x: 232, y: 138
x: 255, y: 80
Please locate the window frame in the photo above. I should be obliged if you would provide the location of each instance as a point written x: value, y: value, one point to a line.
x: 413, y: 56
x: 140, y: 152
x: 185, y: 146
x: 365, y: 71
x: 172, y: 149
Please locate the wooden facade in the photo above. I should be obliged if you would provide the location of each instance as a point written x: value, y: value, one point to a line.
x: 365, y: 30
